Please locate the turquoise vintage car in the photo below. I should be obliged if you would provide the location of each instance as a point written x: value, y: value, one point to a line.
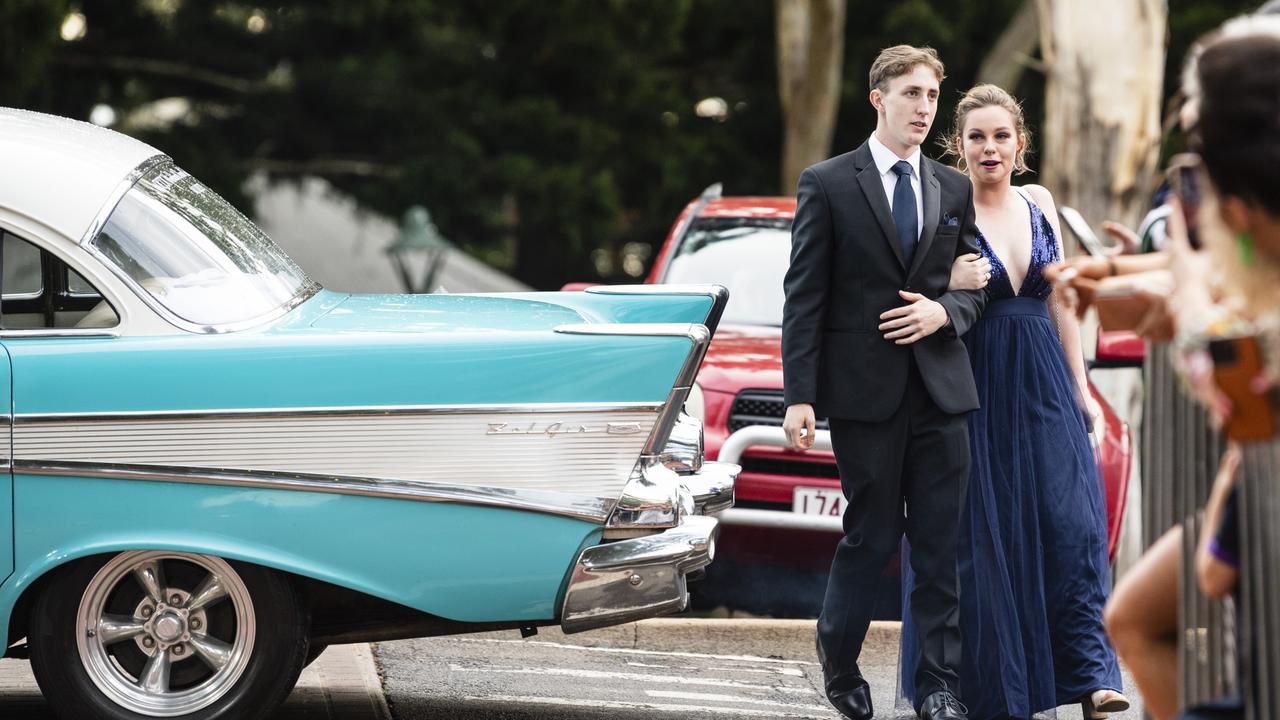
x: 215, y: 467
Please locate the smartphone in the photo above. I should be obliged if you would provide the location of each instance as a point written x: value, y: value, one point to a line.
x: 1236, y: 362
x: 1080, y: 228
x: 1184, y: 181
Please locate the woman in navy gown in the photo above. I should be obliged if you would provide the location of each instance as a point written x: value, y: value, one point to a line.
x: 1033, y: 564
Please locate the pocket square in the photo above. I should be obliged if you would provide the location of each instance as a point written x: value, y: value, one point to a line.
x: 949, y: 219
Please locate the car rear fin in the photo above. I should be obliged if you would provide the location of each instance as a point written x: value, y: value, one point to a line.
x: 699, y: 336
x: 719, y: 295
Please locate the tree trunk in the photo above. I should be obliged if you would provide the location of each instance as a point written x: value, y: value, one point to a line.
x: 1105, y: 67
x: 1011, y: 55
x: 810, y: 57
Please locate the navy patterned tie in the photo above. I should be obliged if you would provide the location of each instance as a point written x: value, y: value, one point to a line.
x: 904, y: 211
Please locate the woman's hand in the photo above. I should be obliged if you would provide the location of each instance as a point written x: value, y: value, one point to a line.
x: 970, y: 272
x: 1074, y: 282
x: 1093, y: 414
x: 1127, y: 241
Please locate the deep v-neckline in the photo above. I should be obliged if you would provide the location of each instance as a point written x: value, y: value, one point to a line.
x: 1031, y: 254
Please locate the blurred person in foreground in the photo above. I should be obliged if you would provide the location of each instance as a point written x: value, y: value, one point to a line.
x: 1233, y: 90
x: 1033, y: 536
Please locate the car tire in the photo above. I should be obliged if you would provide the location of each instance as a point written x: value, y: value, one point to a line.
x: 147, y: 634
x: 314, y: 652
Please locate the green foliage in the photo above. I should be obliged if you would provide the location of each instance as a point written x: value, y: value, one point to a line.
x: 537, y: 133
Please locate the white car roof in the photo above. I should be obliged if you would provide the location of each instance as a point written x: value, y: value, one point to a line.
x: 61, y: 172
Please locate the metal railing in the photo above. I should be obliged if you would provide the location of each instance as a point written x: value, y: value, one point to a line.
x: 1181, y: 452
x: 757, y: 435
x: 1259, y: 585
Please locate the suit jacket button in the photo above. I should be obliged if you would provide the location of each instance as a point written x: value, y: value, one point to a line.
x: 910, y: 289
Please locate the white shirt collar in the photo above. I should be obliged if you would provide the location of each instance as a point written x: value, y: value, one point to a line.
x: 885, y: 158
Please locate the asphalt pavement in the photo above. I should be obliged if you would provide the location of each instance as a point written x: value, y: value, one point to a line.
x: 342, y: 684
x: 699, y: 669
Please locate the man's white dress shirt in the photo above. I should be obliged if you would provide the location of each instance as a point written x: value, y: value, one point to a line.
x: 885, y: 160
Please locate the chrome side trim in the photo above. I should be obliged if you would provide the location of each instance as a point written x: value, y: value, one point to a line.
x: 574, y: 506
x: 643, y: 577
x: 61, y: 333
x: 585, y: 453
x: 339, y: 411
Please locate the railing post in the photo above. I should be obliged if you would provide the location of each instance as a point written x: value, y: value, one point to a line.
x: 1181, y: 453
x: 1259, y: 583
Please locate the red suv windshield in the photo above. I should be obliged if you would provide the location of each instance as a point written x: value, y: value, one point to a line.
x: 747, y: 255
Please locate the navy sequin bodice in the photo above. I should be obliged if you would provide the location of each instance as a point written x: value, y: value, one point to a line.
x: 1044, y: 252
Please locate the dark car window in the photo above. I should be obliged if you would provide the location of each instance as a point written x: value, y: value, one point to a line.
x: 39, y: 291
x: 22, y: 276
x: 747, y: 255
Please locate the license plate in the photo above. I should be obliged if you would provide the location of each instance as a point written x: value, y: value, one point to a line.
x: 817, y: 501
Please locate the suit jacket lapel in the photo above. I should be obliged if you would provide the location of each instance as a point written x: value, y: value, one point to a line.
x: 932, y: 204
x: 873, y: 189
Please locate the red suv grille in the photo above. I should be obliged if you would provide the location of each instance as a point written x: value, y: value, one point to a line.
x: 760, y: 407
x: 788, y: 467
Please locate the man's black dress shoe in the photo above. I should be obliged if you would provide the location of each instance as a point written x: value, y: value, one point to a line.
x: 942, y: 705
x: 853, y: 703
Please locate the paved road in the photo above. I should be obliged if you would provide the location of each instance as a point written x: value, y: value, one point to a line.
x: 488, y: 677
x: 499, y: 676
x: 702, y: 669
x: 342, y: 684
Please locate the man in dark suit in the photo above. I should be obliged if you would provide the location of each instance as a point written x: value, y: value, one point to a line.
x: 871, y: 339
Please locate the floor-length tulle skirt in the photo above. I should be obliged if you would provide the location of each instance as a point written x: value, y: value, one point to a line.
x: 1033, y: 564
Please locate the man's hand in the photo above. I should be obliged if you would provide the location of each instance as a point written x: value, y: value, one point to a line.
x: 799, y: 425
x: 909, y: 323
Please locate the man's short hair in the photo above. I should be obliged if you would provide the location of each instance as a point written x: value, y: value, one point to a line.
x: 900, y: 60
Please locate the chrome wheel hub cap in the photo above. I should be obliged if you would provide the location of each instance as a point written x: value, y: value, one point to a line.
x: 161, y: 648
x: 169, y: 627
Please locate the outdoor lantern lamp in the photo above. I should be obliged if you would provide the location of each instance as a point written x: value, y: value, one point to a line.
x: 419, y: 251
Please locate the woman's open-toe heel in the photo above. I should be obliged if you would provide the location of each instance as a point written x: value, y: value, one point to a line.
x: 1103, y: 702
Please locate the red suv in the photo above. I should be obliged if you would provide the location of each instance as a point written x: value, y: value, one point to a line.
x: 777, y: 542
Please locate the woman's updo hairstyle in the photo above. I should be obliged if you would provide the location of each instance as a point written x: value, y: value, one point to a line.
x: 978, y: 97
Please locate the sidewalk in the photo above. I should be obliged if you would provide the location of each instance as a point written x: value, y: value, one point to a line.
x: 780, y: 639
x: 342, y: 684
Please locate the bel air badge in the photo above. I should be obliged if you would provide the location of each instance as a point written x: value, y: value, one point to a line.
x: 562, y: 428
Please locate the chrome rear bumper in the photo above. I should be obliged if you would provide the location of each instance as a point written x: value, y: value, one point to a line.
x: 712, y: 487
x: 628, y: 580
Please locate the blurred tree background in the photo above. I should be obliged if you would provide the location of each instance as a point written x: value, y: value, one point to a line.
x: 555, y: 140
